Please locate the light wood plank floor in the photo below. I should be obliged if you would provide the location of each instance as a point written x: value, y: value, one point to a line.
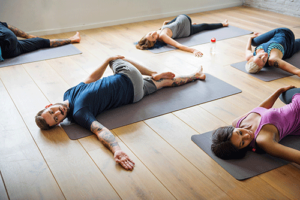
x: 37, y: 164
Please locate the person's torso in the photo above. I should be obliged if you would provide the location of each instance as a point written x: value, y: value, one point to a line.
x: 283, y: 41
x: 103, y: 94
x: 181, y: 27
x: 285, y: 119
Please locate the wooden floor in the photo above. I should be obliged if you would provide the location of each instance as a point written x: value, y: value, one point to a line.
x: 37, y: 164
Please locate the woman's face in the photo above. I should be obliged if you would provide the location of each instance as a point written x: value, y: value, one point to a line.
x: 260, y: 59
x: 152, y: 36
x: 241, y: 137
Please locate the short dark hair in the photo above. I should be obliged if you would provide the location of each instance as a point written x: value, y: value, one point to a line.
x: 41, y: 122
x: 222, y: 146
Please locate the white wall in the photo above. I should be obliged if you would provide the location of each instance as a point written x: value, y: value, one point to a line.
x: 43, y: 17
x: 287, y: 7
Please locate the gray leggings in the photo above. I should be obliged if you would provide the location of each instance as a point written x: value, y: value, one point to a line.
x: 141, y: 87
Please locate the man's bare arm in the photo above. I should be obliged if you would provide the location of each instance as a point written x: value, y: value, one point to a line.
x: 109, y: 141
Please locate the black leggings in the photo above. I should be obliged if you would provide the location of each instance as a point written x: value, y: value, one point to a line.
x: 200, y: 27
x: 287, y: 96
x: 18, y: 47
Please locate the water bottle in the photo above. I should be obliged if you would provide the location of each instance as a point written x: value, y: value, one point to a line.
x: 213, y: 46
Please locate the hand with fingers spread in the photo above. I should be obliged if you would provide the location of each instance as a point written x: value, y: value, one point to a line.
x: 197, y: 53
x: 122, y: 158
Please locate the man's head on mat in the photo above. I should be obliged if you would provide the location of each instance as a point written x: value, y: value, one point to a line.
x: 231, y: 143
x: 51, y: 115
x: 256, y: 63
x: 148, y: 40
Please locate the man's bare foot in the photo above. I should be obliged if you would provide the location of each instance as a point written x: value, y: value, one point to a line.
x: 225, y: 23
x: 75, y: 38
x: 199, y: 74
x: 165, y: 75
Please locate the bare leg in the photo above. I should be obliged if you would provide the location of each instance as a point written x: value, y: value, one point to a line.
x: 199, y: 75
x: 59, y: 42
x: 20, y: 33
x: 148, y: 72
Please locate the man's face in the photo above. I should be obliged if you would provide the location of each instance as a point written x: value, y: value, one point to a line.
x: 55, y: 113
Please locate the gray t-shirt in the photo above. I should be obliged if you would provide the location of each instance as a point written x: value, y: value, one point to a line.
x: 180, y: 28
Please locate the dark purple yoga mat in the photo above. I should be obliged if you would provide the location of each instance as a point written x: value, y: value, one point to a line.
x: 41, y: 54
x: 205, y: 37
x: 271, y: 73
x: 161, y: 102
x: 252, y: 164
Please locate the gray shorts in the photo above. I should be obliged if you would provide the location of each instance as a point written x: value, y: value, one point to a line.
x: 141, y: 87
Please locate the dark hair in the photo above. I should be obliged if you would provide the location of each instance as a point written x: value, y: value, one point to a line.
x: 222, y: 146
x: 41, y: 122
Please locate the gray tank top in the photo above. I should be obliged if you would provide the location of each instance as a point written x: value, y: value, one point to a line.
x: 180, y: 28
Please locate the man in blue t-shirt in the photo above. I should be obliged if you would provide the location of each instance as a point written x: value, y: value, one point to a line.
x: 83, y: 102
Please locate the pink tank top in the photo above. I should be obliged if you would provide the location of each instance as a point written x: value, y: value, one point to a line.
x: 286, y: 119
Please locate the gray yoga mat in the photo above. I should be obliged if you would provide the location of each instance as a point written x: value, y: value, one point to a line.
x: 205, y: 37
x: 271, y: 73
x: 161, y: 102
x: 41, y: 54
x: 252, y: 164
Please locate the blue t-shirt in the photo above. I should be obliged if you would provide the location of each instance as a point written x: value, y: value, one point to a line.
x: 283, y: 36
x: 86, y: 101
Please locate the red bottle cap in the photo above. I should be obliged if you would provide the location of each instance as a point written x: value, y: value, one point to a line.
x: 213, y: 39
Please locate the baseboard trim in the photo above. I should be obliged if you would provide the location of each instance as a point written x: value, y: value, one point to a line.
x: 133, y: 19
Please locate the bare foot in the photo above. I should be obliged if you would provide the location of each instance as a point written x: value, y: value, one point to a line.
x: 199, y: 74
x: 75, y: 38
x: 225, y: 23
x: 166, y: 75
x: 194, y: 23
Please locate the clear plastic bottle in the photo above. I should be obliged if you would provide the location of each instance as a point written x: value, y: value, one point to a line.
x: 213, y: 46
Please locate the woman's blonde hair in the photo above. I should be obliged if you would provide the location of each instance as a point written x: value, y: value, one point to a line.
x: 144, y: 44
x: 252, y: 67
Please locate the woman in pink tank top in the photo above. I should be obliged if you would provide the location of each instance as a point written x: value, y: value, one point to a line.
x: 262, y: 128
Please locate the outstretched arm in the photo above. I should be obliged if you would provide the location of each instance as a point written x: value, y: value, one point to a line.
x: 98, y: 73
x: 269, y: 145
x: 276, y: 62
x: 20, y: 33
x: 269, y: 102
x: 109, y: 141
x: 172, y: 42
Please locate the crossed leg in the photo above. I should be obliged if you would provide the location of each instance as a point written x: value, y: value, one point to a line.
x: 178, y: 81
